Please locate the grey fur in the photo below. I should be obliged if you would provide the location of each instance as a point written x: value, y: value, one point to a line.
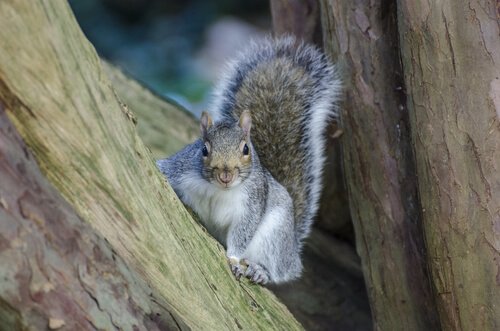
x: 262, y: 195
x: 291, y: 91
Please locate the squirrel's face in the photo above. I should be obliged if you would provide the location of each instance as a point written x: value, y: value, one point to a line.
x: 227, y: 154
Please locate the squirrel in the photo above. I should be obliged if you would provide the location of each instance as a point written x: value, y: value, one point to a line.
x: 255, y: 176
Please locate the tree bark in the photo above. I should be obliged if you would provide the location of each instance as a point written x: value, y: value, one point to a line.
x: 86, y: 144
x: 164, y: 126
x: 55, y: 270
x: 378, y: 163
x: 299, y: 18
x: 451, y: 59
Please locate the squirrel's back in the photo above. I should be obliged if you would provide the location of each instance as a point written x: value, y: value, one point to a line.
x: 291, y: 90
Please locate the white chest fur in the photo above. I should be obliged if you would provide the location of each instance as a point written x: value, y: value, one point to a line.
x: 217, y: 208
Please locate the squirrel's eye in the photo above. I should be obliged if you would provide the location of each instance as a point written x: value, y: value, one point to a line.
x: 245, y: 150
x: 204, y: 151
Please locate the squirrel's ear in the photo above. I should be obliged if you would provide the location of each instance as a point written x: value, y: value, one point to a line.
x: 206, y: 123
x: 246, y: 122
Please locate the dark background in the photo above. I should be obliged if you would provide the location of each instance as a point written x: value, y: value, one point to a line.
x: 174, y: 47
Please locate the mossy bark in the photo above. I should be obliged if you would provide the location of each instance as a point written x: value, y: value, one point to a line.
x: 451, y: 58
x: 86, y: 144
x: 55, y: 270
x: 164, y: 126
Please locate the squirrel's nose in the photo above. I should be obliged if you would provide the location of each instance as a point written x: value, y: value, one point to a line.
x: 225, y: 177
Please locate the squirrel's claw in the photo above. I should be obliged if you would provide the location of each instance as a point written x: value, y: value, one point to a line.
x: 255, y: 272
x: 238, y: 271
x: 236, y: 268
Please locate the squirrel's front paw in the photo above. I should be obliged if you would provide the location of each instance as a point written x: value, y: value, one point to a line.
x: 255, y: 272
x: 237, y: 268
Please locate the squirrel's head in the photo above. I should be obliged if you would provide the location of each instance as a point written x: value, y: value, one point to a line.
x: 227, y: 150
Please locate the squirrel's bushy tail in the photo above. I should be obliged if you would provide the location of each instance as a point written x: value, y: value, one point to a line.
x: 291, y: 90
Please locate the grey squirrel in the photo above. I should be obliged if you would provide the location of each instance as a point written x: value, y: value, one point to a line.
x: 254, y: 176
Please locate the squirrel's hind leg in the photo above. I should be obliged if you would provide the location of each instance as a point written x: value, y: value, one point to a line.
x: 273, y: 253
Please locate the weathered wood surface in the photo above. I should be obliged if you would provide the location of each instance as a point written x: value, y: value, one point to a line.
x: 451, y: 58
x: 164, y: 126
x: 86, y: 144
x: 362, y: 37
x: 54, y: 270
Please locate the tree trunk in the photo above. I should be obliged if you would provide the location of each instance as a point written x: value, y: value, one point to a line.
x: 299, y: 18
x: 378, y: 163
x: 164, y: 126
x: 55, y: 270
x: 86, y: 144
x: 451, y: 58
